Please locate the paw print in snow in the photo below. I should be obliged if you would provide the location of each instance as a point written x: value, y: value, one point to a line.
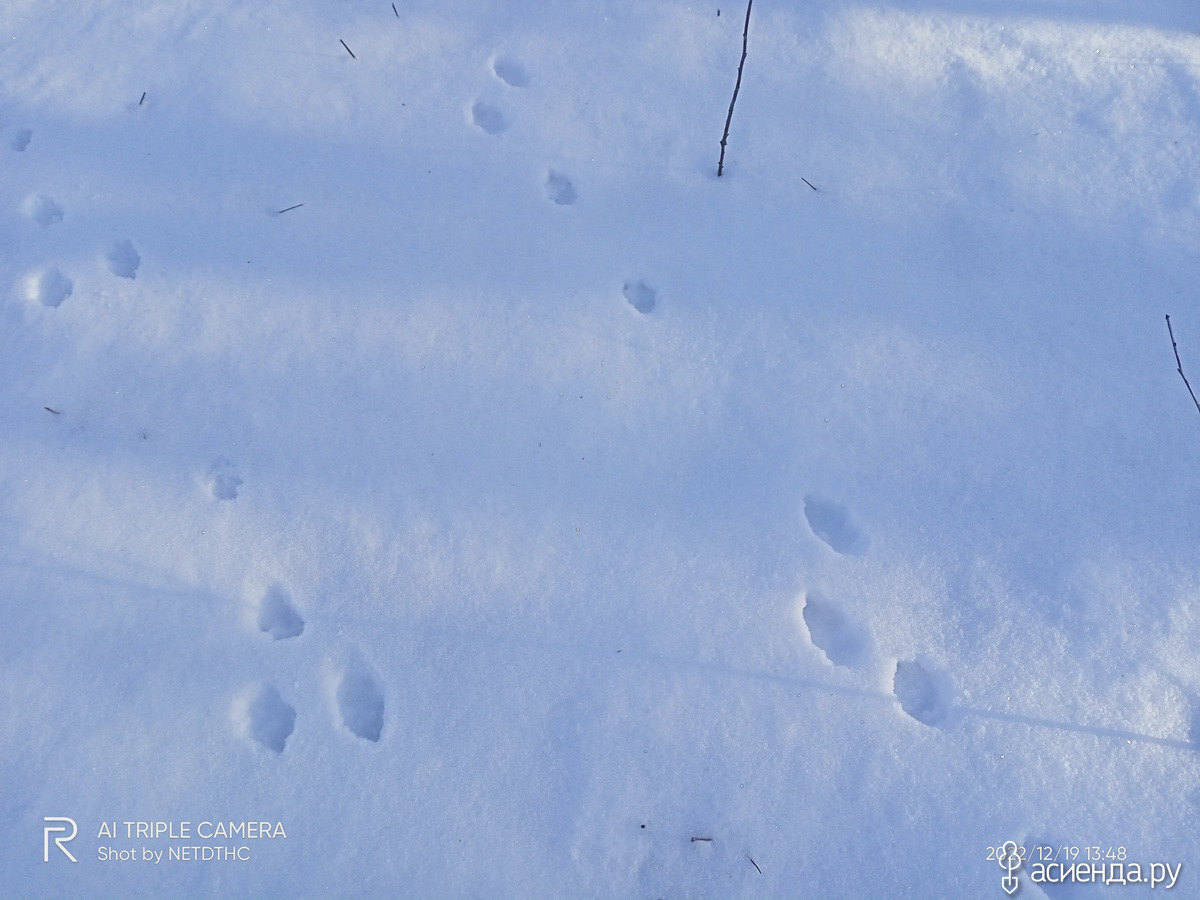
x: 265, y: 717
x: 488, y: 118
x: 277, y: 616
x: 924, y: 692
x: 42, y: 209
x: 48, y: 286
x: 559, y: 189
x: 843, y: 642
x: 510, y: 71
x: 640, y: 295
x: 223, y: 480
x: 122, y: 259
x: 831, y: 522
x: 360, y: 702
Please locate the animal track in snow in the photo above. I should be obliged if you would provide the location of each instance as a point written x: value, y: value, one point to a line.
x: 831, y: 523
x: 559, y: 188
x: 277, y: 616
x: 223, y: 480
x: 42, y: 209
x: 842, y: 641
x: 640, y: 295
x: 266, y: 717
x: 123, y: 259
x: 487, y: 117
x: 923, y: 693
x: 48, y: 286
x: 20, y: 139
x: 360, y: 703
x: 510, y: 71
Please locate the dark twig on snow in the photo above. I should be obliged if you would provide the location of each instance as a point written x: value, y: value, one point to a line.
x: 1179, y: 365
x: 143, y: 100
x: 753, y: 863
x: 701, y: 839
x: 736, y: 87
x: 809, y: 183
x: 57, y: 412
x: 395, y: 11
x: 348, y: 50
x: 288, y: 209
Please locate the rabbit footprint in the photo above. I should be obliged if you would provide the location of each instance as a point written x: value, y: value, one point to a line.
x: 262, y: 714
x: 360, y: 702
x: 843, y: 642
x: 265, y: 717
x: 122, y: 259
x: 831, y: 522
x: 277, y: 615
x: 487, y: 117
x: 20, y: 139
x: 48, y: 286
x: 44, y: 210
x: 559, y: 189
x: 924, y: 692
x: 510, y: 70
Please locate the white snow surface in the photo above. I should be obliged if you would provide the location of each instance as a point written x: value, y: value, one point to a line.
x: 424, y: 450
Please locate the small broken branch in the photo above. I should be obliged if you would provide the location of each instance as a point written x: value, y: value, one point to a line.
x: 1179, y: 365
x: 288, y: 209
x: 701, y: 839
x: 57, y: 412
x: 394, y: 10
x: 143, y: 100
x: 348, y: 50
x: 753, y: 863
x: 736, y: 87
x: 809, y: 183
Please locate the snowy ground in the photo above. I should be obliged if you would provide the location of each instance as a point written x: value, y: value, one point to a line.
x: 528, y: 501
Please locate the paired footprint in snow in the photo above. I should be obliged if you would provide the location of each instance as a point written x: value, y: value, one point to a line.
x: 485, y: 114
x: 263, y: 714
x: 923, y: 691
x: 488, y: 117
x: 48, y: 285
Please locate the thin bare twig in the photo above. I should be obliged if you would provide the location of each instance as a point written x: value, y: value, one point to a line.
x: 753, y: 863
x: 288, y: 209
x: 348, y: 50
x: 701, y: 839
x: 1179, y: 365
x: 736, y: 87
